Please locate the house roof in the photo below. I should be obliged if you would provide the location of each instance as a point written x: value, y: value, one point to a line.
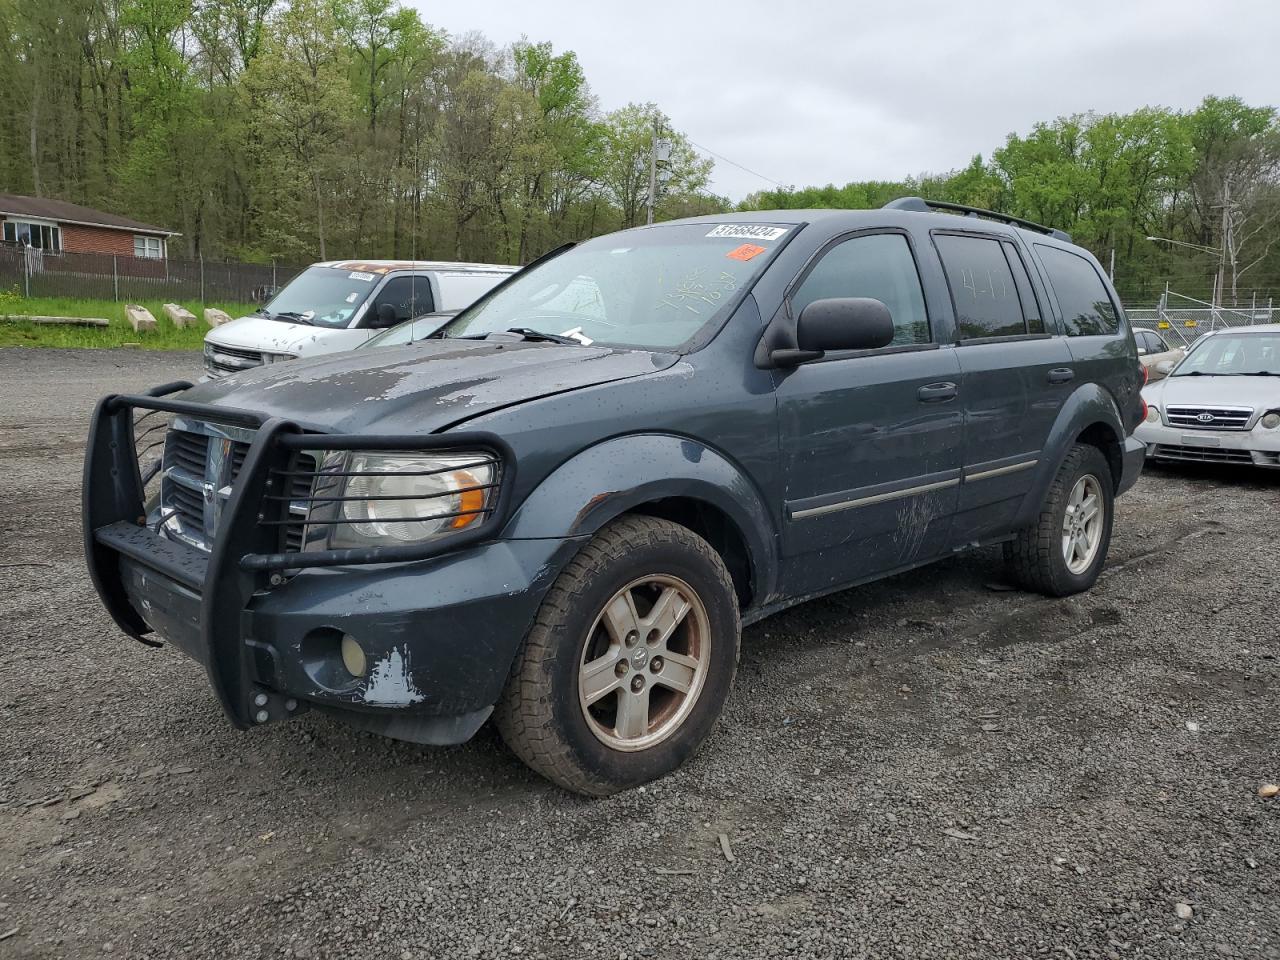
x: 64, y: 212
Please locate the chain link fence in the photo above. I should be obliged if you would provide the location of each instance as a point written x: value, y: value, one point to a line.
x: 1181, y: 319
x: 34, y: 273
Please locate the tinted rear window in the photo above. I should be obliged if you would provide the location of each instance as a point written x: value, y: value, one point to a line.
x: 982, y: 287
x: 1087, y: 309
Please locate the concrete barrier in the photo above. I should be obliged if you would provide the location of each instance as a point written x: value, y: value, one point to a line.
x: 215, y: 317
x: 139, y: 318
x: 180, y: 315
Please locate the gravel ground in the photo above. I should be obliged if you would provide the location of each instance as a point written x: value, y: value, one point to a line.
x: 926, y: 767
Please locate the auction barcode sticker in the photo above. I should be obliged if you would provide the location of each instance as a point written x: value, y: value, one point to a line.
x: 748, y: 231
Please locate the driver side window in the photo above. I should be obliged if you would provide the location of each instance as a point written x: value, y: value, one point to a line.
x: 409, y: 296
x: 879, y: 266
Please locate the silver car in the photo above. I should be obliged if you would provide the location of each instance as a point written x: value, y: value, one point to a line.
x: 1220, y: 403
x: 1153, y: 351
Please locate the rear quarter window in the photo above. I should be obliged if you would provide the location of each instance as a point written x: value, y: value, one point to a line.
x: 1087, y: 310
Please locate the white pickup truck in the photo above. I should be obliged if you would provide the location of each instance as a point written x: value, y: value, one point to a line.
x: 335, y: 306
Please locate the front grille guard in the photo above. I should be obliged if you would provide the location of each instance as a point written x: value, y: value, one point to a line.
x: 324, y: 504
x: 245, y: 558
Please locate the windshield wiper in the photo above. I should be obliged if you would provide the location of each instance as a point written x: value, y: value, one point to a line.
x: 295, y: 317
x: 530, y: 334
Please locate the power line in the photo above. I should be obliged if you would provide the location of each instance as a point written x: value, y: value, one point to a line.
x: 734, y: 163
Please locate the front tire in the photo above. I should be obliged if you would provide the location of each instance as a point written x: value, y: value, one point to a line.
x: 1066, y: 549
x: 629, y: 661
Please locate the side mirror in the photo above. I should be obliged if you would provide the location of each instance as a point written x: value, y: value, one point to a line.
x: 385, y: 317
x: 846, y: 323
x: 1164, y: 367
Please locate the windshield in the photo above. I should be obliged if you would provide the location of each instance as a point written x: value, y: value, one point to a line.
x: 654, y: 288
x: 1233, y: 354
x: 323, y: 296
x: 410, y: 331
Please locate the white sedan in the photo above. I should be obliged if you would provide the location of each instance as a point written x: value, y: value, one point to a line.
x: 1220, y: 403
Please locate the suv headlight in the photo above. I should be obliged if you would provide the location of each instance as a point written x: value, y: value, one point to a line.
x: 278, y: 357
x: 1153, y: 413
x: 1271, y: 420
x: 407, y: 497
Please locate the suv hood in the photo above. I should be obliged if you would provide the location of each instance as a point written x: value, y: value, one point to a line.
x: 1262, y: 393
x: 422, y: 387
x: 270, y: 336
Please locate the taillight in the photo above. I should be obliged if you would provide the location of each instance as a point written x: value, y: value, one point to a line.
x: 1145, y: 408
x: 1146, y: 374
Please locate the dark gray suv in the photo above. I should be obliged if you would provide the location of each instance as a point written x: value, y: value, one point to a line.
x: 561, y: 507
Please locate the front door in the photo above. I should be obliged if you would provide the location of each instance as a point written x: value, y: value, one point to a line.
x: 870, y: 440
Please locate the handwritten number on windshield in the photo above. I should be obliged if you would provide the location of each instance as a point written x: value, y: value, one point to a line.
x: 694, y: 293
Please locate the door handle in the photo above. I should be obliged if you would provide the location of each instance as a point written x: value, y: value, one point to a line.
x: 937, y: 392
x: 1061, y: 375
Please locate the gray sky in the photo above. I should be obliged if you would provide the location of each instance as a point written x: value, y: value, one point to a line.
x: 816, y: 92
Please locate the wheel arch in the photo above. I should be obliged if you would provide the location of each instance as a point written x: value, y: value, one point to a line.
x: 718, y: 529
x: 1103, y: 436
x: 660, y: 475
x: 1091, y: 416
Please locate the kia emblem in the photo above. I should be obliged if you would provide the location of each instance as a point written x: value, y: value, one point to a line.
x: 1205, y: 418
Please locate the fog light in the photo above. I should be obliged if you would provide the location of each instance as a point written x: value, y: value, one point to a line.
x: 353, y: 657
x: 1271, y: 421
x: 1153, y: 415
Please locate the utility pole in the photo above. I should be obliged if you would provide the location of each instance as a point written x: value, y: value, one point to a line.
x: 659, y: 157
x: 653, y: 170
x: 1223, y: 242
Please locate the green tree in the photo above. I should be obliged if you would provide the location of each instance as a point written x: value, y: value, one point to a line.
x: 303, y: 111
x: 626, y: 143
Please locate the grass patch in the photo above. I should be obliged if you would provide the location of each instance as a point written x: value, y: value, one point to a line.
x: 165, y: 337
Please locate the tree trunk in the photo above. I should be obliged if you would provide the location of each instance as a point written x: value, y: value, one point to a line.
x: 34, y: 144
x: 315, y: 180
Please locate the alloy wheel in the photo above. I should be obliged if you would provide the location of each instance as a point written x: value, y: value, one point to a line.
x: 644, y: 662
x: 1082, y: 524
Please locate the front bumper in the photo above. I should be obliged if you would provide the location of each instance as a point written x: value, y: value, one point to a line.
x: 1258, y: 447
x: 439, y: 633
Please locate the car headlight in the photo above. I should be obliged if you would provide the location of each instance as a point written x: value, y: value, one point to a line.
x: 410, y: 498
x: 278, y: 357
x: 1271, y: 420
x: 1153, y: 414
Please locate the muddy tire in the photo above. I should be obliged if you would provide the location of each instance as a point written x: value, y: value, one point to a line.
x: 629, y: 661
x: 1066, y: 549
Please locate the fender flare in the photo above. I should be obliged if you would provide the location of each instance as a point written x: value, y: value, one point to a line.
x: 1088, y: 405
x: 617, y: 475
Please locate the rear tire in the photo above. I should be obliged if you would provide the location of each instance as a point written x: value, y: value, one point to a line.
x: 629, y: 661
x: 1064, y: 552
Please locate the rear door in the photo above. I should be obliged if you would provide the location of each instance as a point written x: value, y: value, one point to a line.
x: 1101, y: 349
x: 1016, y: 375
x: 870, y: 439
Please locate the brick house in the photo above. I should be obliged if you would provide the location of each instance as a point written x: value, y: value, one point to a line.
x: 56, y: 226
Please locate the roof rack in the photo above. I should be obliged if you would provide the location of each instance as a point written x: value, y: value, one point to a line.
x: 920, y: 205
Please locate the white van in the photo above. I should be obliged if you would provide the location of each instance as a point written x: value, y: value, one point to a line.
x: 339, y: 305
